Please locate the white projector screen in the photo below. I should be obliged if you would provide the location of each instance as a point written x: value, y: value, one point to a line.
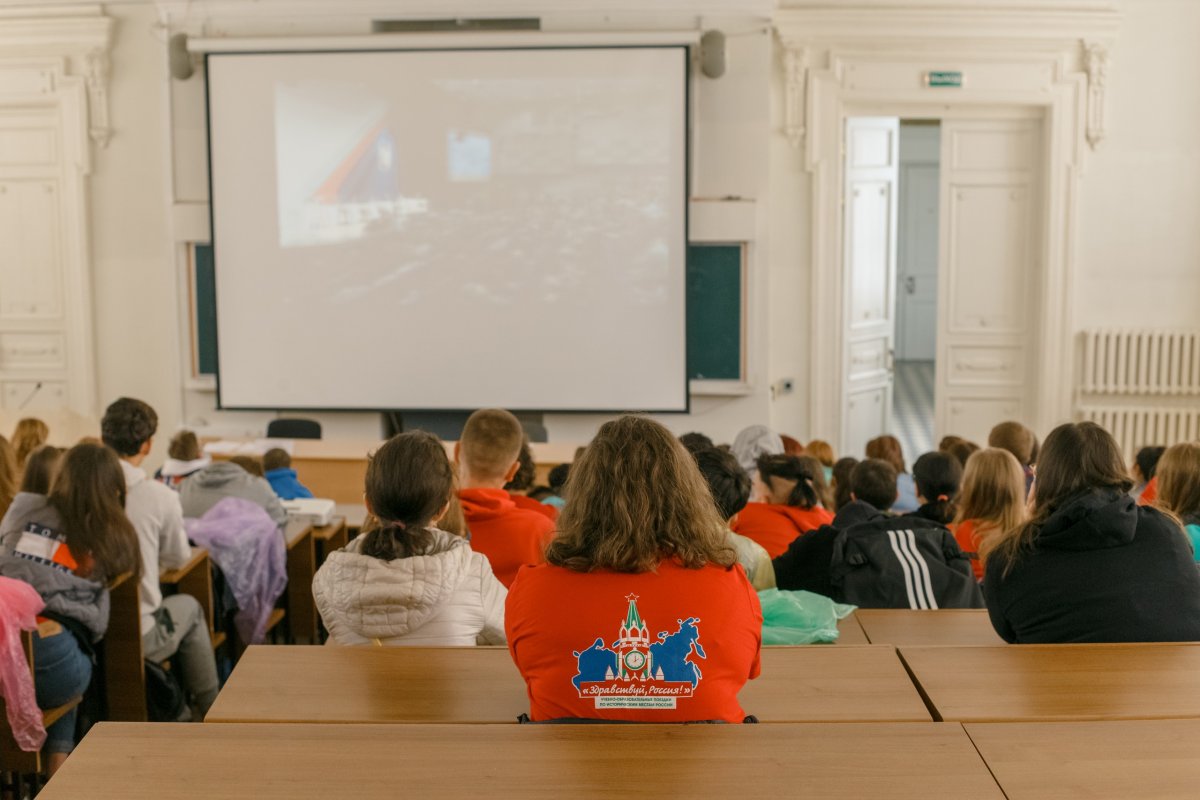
x: 450, y: 229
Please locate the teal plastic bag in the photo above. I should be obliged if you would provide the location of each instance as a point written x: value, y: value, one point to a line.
x: 800, y: 617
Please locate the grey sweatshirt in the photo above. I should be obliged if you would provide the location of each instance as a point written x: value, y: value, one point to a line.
x: 204, y: 489
x: 64, y: 593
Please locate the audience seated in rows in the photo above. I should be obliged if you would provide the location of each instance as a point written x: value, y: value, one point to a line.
x: 522, y: 483
x: 641, y: 562
x: 405, y: 581
x: 30, y: 434
x: 1090, y: 565
x: 206, y: 487
x: 1021, y: 442
x: 277, y: 469
x: 1179, y: 488
x: 184, y: 457
x: 173, y: 627
x: 992, y: 500
x: 68, y: 544
x: 729, y: 486
x: 937, y: 477
x: 887, y: 448
x: 754, y: 442
x: 487, y: 456
x: 787, y: 504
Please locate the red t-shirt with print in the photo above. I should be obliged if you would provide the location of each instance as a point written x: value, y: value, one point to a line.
x: 510, y: 537
x: 775, y: 526
x: 674, y: 645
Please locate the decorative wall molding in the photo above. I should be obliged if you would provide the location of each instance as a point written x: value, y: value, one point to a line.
x: 1045, y: 60
x: 81, y: 35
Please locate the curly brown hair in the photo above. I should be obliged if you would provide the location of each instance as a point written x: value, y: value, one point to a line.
x: 635, y: 498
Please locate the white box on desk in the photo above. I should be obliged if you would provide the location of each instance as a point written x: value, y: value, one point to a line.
x: 310, y: 509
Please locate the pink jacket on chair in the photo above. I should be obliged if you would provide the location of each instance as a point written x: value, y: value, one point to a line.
x: 19, y: 607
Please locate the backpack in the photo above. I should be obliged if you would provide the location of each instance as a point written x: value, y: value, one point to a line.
x: 902, y: 562
x: 165, y: 700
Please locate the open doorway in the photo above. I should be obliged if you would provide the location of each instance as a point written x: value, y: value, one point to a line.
x: 941, y: 273
x: 916, y: 292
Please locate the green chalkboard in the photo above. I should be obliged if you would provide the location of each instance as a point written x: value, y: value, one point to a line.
x: 206, y: 310
x: 714, y: 311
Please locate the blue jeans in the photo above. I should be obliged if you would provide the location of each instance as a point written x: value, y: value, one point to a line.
x: 61, y: 672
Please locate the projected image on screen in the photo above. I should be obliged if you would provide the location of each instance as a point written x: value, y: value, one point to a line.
x: 533, y: 199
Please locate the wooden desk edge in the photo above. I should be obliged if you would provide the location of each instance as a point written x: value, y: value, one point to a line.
x: 199, y: 555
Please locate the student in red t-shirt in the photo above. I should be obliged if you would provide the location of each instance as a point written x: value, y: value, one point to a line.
x: 639, y: 613
x: 487, y: 458
x: 991, y: 500
x: 789, y: 504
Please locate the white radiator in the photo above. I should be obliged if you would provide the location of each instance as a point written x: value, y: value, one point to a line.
x: 1135, y: 427
x: 1141, y: 385
x: 1141, y: 362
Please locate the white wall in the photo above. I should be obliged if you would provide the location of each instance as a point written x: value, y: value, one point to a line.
x: 1138, y: 251
x: 1139, y: 244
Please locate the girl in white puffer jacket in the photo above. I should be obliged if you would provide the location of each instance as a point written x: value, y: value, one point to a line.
x: 407, y: 582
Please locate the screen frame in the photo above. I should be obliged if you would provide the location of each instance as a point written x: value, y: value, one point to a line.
x: 685, y: 52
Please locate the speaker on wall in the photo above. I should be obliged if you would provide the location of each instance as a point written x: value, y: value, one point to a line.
x: 180, y: 60
x: 712, y: 54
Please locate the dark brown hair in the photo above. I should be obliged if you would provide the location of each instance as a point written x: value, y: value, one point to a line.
x: 938, y: 477
x: 41, y: 469
x: 841, y: 481
x: 184, y: 446
x: 874, y: 481
x: 635, y: 498
x: 788, y: 475
x: 962, y: 450
x: 817, y: 470
x: 526, y: 473
x: 127, y: 425
x: 89, y: 496
x: 1076, y: 457
x: 30, y: 434
x: 409, y: 480
x: 248, y: 463
x: 887, y: 448
x: 727, y: 481
x: 276, y: 458
x: 791, y: 445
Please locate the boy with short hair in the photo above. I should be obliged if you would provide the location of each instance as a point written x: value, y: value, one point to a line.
x: 1018, y: 440
x: 873, y: 560
x: 184, y: 457
x: 487, y: 456
x: 277, y: 469
x: 730, y: 488
x: 174, y: 626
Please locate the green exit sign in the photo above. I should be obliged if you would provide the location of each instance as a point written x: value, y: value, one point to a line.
x: 944, y: 78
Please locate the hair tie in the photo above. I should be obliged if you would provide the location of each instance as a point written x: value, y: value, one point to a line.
x: 943, y: 498
x: 391, y: 523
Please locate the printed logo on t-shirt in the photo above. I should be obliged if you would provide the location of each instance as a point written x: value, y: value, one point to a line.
x: 45, y: 546
x: 635, y: 673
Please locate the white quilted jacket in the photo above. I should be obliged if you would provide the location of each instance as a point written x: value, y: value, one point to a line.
x: 448, y: 598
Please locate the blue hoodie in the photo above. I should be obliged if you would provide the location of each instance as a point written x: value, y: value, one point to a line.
x: 286, y: 485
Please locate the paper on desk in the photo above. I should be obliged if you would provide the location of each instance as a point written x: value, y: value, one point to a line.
x: 230, y: 447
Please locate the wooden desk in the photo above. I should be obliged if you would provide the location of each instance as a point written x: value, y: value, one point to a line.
x: 337, y: 468
x: 301, y: 566
x: 1028, y: 683
x: 481, y: 685
x: 328, y: 538
x: 908, y: 761
x: 850, y: 630
x: 948, y: 626
x: 1132, y: 760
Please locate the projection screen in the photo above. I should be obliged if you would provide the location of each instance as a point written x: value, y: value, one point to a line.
x: 450, y: 229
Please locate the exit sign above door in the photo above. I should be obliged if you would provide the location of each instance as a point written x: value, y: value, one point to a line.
x: 952, y: 79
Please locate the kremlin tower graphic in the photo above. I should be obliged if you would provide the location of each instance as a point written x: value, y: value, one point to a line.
x: 637, y: 672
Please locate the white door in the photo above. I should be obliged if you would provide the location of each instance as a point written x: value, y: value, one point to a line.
x: 917, y: 287
x: 869, y: 257
x: 991, y: 179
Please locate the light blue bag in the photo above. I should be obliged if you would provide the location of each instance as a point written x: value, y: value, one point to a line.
x: 800, y: 617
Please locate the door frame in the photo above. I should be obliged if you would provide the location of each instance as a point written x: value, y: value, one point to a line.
x: 871, y: 61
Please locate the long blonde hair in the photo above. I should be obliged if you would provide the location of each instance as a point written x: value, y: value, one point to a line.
x: 30, y: 434
x: 1075, y: 458
x: 1178, y: 475
x: 636, y: 498
x: 993, y: 495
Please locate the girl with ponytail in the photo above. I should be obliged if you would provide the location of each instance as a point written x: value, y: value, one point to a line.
x: 938, y: 477
x: 405, y: 580
x: 789, y: 494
